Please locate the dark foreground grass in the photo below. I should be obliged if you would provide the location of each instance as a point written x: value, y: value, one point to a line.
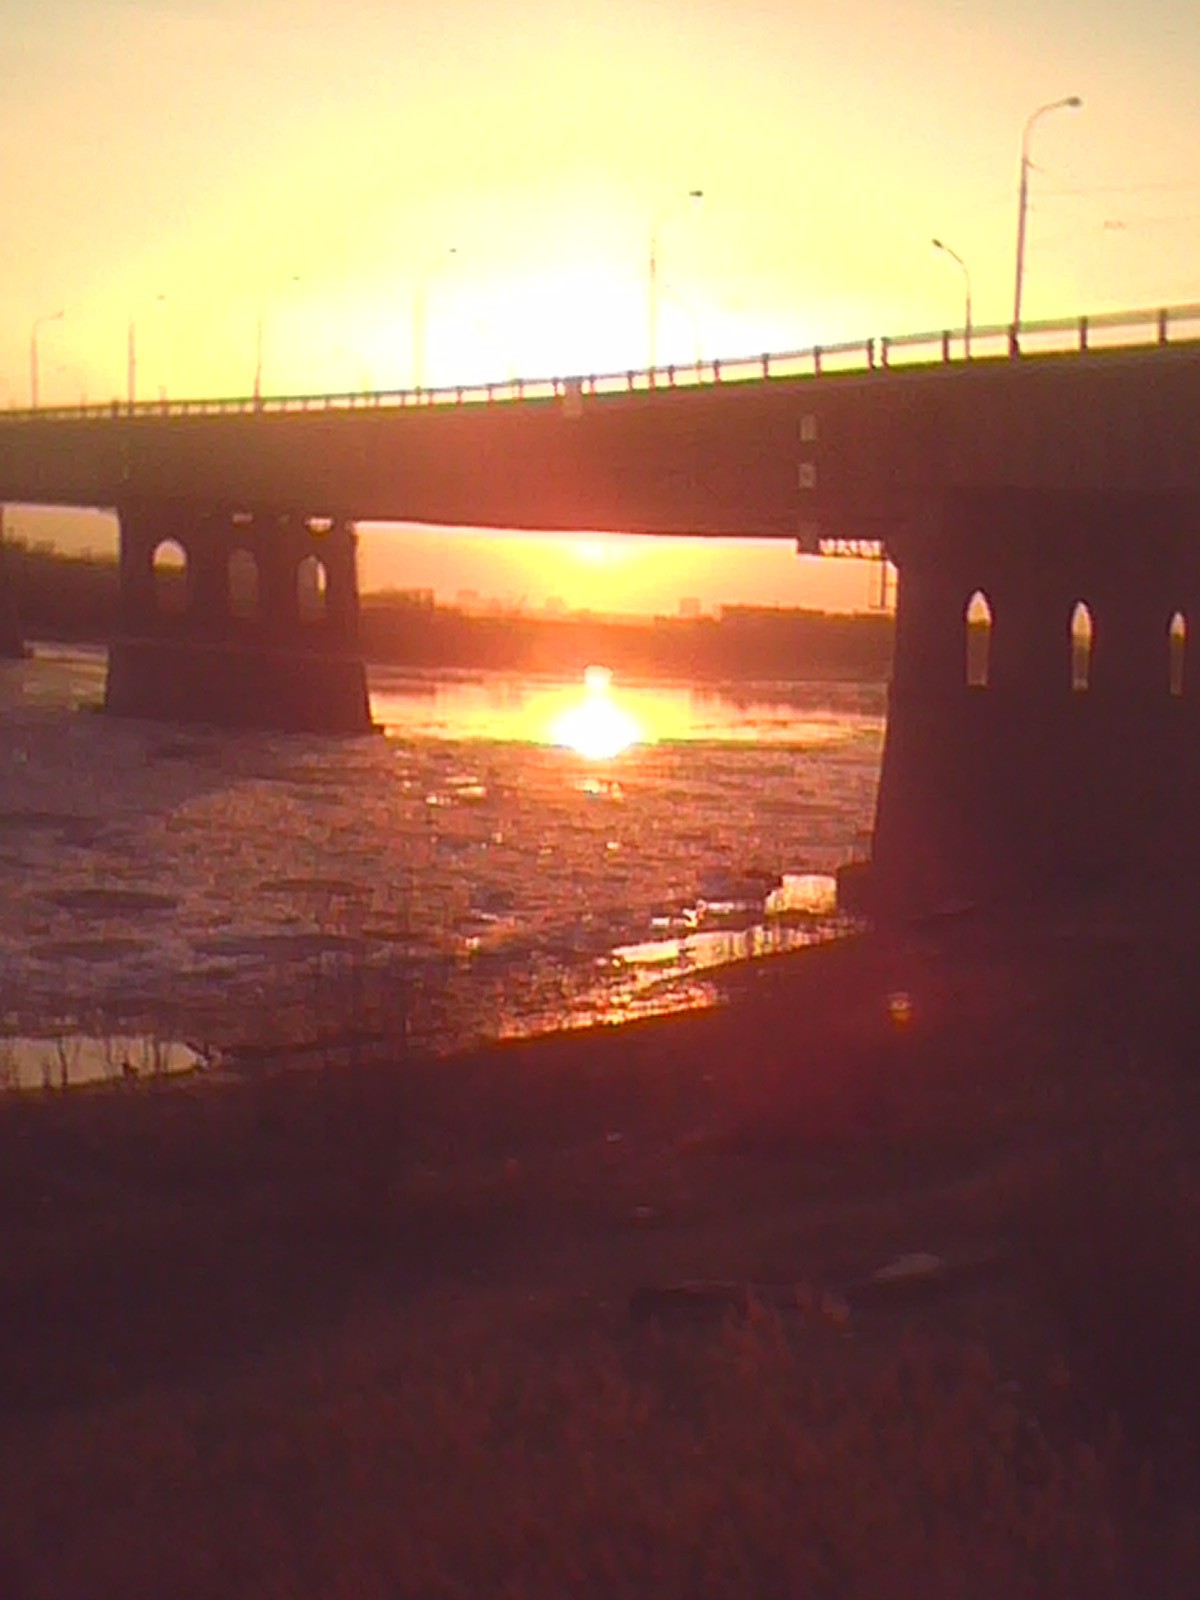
x: 376, y: 1462
x: 368, y: 1334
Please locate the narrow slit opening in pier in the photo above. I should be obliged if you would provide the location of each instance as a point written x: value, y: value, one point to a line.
x: 1082, y: 642
x: 243, y: 584
x: 311, y: 583
x: 169, y: 566
x: 978, y: 640
x: 1176, y: 652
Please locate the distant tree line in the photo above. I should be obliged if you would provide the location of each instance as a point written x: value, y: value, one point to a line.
x: 75, y: 598
x: 748, y: 642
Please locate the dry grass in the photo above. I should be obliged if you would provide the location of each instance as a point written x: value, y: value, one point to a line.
x: 1111, y: 1242
x: 374, y: 1463
x: 366, y: 1333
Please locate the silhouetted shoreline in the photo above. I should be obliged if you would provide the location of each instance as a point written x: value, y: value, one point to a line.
x: 760, y: 643
x: 74, y: 599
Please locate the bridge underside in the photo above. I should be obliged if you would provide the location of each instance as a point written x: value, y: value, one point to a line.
x: 239, y: 619
x: 1044, y: 716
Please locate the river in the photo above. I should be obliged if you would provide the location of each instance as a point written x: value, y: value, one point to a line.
x: 509, y: 854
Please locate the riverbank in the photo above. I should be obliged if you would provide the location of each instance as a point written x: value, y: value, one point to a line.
x: 75, y: 599
x: 379, y: 1332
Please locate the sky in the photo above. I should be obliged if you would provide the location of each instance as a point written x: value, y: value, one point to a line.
x: 472, y: 190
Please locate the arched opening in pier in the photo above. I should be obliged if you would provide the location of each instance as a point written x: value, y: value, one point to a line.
x: 1176, y: 651
x: 978, y: 640
x: 311, y: 581
x: 1082, y: 642
x: 243, y: 584
x: 169, y: 567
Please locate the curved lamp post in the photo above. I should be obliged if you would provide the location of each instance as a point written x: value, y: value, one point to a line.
x: 38, y: 322
x: 1071, y: 102
x: 938, y: 244
x: 131, y: 354
x: 693, y: 195
x: 420, y: 308
x: 258, y: 344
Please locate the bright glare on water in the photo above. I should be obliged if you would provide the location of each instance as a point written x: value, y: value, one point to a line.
x: 527, y: 709
x: 596, y: 727
x: 514, y: 853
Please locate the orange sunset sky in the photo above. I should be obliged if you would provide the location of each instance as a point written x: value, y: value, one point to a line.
x: 469, y: 190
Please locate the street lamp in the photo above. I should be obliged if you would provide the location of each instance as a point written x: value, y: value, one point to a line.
x: 694, y: 195
x: 131, y: 354
x: 1071, y: 102
x: 258, y: 345
x: 954, y: 256
x: 38, y: 322
x: 419, y: 310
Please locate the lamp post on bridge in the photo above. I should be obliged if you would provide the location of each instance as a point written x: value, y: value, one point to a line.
x: 695, y: 196
x: 38, y: 322
x: 258, y: 344
x: 131, y: 354
x: 1071, y: 102
x: 938, y: 244
x: 419, y: 312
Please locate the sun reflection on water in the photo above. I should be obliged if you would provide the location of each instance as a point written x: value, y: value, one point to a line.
x: 596, y: 727
x: 531, y: 709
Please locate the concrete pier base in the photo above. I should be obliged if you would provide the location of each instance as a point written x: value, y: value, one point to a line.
x: 231, y: 686
x: 1055, y: 748
x: 241, y: 618
x: 12, y: 643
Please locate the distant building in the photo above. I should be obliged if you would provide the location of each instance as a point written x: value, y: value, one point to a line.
x: 414, y: 599
x: 689, y: 607
x: 423, y: 600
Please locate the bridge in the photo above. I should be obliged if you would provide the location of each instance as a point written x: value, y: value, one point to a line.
x: 1036, y: 476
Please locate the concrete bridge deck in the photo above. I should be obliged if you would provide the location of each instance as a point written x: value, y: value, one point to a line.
x: 820, y: 445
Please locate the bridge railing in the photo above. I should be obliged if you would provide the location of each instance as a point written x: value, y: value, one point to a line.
x: 1109, y: 330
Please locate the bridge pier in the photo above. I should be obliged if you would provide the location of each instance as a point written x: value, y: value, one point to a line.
x: 12, y: 641
x: 1070, y: 762
x: 241, y: 618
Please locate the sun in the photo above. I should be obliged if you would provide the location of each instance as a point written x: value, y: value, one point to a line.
x: 596, y: 728
x: 592, y: 552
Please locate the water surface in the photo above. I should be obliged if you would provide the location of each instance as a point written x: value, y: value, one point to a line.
x: 459, y: 876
